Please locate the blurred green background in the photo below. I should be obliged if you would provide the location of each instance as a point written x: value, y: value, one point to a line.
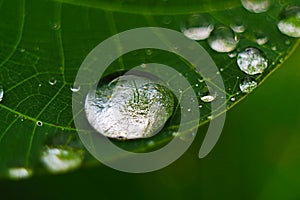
x: 257, y: 157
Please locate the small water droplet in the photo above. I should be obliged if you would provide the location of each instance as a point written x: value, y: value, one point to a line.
x: 189, y: 110
x: 148, y: 52
x: 56, y: 26
x: 17, y: 173
x: 39, y: 84
x: 200, y: 106
x: 209, y: 117
x: 252, y: 61
x: 39, y: 123
x: 238, y: 27
x: 287, y: 42
x: 256, y: 6
x: 232, y: 54
x: 1, y: 92
x: 247, y: 84
x: 274, y: 48
x: 52, y: 81
x: 289, y: 23
x: 223, y: 39
x: 261, y: 38
x: 232, y: 99
x: 198, y: 27
x: 59, y: 159
x: 22, y: 50
x: 75, y: 88
x: 207, y: 96
x: 131, y: 111
x: 197, y: 85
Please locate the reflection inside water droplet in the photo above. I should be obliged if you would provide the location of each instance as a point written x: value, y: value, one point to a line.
x: 222, y: 40
x: 198, y: 27
x: 252, y: 61
x: 129, y: 107
x: 52, y: 81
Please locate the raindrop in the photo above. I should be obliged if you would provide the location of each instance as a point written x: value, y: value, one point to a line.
x: 207, y: 94
x: 56, y: 26
x: 223, y: 39
x: 59, y: 159
x: 39, y: 123
x: 256, y: 6
x: 232, y: 54
x: 52, y: 81
x: 19, y: 173
x: 198, y: 27
x: 252, y: 61
x: 261, y: 38
x: 289, y: 23
x: 247, y: 84
x: 75, y: 88
x: 128, y: 107
x: 238, y: 27
x: 1, y: 92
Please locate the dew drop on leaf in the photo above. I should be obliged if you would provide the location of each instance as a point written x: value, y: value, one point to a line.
x: 207, y: 95
x: 17, y: 173
x: 129, y: 107
x: 39, y: 123
x: 289, y: 23
x: 198, y: 27
x: 75, y: 88
x: 252, y: 61
x: 52, y: 81
x: 261, y: 38
x: 247, y: 84
x: 223, y: 39
x: 59, y: 159
x: 256, y: 6
x: 238, y: 27
x: 1, y: 92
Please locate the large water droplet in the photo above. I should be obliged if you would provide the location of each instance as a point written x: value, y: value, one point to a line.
x: 223, y: 39
x: 252, y: 61
x: 1, y: 92
x: 129, y: 107
x: 247, y: 84
x: 207, y: 94
x: 256, y: 6
x: 58, y: 159
x: 198, y: 27
x: 19, y: 173
x: 290, y: 22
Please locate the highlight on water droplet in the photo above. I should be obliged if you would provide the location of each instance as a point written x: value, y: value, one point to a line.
x: 61, y: 159
x: 198, y: 27
x: 52, y: 81
x: 223, y: 40
x: 129, y: 107
x: 207, y: 94
x: 252, y: 61
x: 17, y: 173
x: 247, y: 84
x: 1, y: 92
x: 289, y: 23
x: 39, y: 123
x: 56, y: 26
x: 256, y: 6
x: 75, y: 88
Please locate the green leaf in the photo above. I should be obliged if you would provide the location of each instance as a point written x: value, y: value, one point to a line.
x: 44, y: 41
